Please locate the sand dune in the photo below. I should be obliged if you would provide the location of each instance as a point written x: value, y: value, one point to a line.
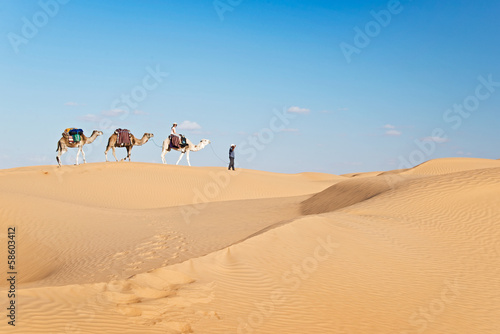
x: 415, y: 251
x: 154, y: 208
x: 144, y: 186
x: 350, y: 192
x: 450, y: 165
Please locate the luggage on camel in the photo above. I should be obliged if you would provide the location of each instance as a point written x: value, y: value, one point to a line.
x: 75, y: 132
x: 123, y: 137
x: 74, y: 135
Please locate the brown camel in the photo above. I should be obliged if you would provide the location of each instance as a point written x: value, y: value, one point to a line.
x: 112, y: 144
x: 63, y: 144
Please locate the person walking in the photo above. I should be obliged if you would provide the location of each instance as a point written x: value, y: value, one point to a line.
x: 231, y: 157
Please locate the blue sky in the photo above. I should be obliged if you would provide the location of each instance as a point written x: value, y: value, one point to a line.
x: 224, y: 69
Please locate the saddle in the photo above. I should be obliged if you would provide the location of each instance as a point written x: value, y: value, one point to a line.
x: 73, y: 135
x: 176, y: 142
x: 123, y: 137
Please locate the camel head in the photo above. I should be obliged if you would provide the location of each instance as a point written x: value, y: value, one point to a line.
x: 95, y: 134
x: 149, y: 135
x: 201, y: 145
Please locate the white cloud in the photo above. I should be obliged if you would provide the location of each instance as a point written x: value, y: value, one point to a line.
x: 393, y: 133
x: 113, y: 112
x: 438, y: 140
x: 140, y: 112
x: 298, y: 110
x: 391, y: 130
x: 188, y: 125
x: 290, y: 130
x: 71, y: 104
x: 89, y: 118
x: 343, y: 109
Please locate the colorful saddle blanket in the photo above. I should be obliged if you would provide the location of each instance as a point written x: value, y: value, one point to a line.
x: 123, y: 137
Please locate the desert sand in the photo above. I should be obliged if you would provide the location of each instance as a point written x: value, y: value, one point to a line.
x: 149, y: 248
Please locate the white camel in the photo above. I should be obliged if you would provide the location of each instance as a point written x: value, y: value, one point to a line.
x: 190, y: 148
x: 63, y: 144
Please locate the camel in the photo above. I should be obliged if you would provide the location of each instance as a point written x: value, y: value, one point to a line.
x: 63, y: 144
x: 191, y: 147
x: 134, y: 142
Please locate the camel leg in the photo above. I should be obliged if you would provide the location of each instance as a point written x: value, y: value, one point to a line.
x: 129, y: 150
x: 114, y: 153
x: 58, y: 157
x: 163, y: 152
x: 83, y: 155
x: 182, y: 154
x: 59, y: 153
x: 187, y: 157
x: 77, y: 154
x: 106, y: 153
